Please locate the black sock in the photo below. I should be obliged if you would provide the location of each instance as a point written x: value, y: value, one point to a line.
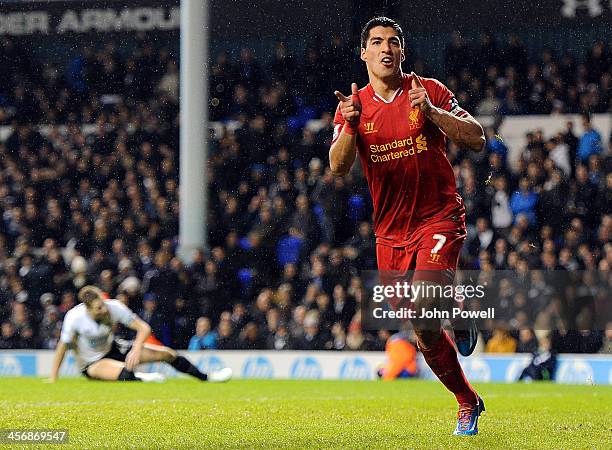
x: 127, y: 375
x: 182, y: 364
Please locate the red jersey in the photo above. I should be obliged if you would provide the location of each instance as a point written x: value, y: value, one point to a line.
x: 403, y: 156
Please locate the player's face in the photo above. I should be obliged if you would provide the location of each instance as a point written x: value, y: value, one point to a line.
x: 383, y: 53
x: 98, y: 310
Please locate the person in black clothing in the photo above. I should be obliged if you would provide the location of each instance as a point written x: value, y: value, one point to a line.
x: 543, y: 364
x: 251, y: 338
x: 225, y: 338
x: 281, y: 339
x: 313, y: 338
x: 150, y: 314
x: 527, y: 342
x: 8, y: 338
x: 344, y: 306
x: 165, y: 284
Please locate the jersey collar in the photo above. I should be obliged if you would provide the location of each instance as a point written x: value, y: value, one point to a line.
x: 396, y: 94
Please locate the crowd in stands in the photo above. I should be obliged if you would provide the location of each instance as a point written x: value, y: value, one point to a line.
x: 490, y: 78
x: 288, y: 241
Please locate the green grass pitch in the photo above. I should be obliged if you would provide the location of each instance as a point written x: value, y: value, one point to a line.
x: 184, y: 413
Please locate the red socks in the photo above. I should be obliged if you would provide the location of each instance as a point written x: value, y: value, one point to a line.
x: 442, y: 359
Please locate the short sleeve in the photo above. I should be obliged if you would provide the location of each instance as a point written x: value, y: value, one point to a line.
x: 442, y: 97
x: 68, y: 331
x: 120, y: 313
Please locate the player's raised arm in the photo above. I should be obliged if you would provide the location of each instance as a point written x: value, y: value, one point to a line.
x: 464, y: 131
x: 343, y: 149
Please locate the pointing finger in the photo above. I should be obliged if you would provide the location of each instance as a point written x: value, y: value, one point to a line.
x: 341, y: 97
x: 355, y: 94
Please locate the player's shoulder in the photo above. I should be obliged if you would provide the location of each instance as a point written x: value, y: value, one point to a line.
x: 75, y: 312
x: 118, y: 309
x: 366, y: 94
x: 113, y: 303
x: 430, y: 82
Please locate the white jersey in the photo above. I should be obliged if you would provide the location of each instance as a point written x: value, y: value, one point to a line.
x: 93, y: 340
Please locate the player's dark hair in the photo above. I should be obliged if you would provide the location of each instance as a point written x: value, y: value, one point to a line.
x: 88, y: 294
x: 380, y: 22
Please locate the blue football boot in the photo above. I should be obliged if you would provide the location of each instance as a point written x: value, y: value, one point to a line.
x: 467, y: 419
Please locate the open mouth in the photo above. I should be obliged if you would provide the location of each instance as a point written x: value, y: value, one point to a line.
x: 387, y: 61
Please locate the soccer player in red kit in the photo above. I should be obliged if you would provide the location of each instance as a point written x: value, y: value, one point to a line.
x: 398, y: 125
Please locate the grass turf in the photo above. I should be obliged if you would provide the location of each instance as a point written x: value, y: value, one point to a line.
x: 184, y: 413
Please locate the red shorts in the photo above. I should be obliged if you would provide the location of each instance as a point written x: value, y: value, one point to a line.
x: 432, y: 252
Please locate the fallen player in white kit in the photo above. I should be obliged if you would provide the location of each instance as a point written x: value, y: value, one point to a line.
x: 88, y: 329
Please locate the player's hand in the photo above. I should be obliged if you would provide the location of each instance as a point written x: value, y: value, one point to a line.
x: 350, y: 107
x: 132, y: 359
x: 418, y: 95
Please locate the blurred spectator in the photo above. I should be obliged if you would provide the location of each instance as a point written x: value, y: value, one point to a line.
x: 296, y: 326
x: 490, y: 105
x: 183, y: 324
x: 225, y: 338
x: 49, y: 327
x: 558, y: 152
x: 8, y: 337
x: 204, y: 337
x: 483, y: 240
x: 338, y: 341
x: 313, y: 338
x: 527, y: 342
x: 401, y: 358
x: 543, y: 364
x: 590, y: 142
x: 156, y: 320
x: 280, y: 339
x: 501, y: 341
x: 356, y: 340
x: 523, y: 202
x: 501, y: 213
x: 250, y: 338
